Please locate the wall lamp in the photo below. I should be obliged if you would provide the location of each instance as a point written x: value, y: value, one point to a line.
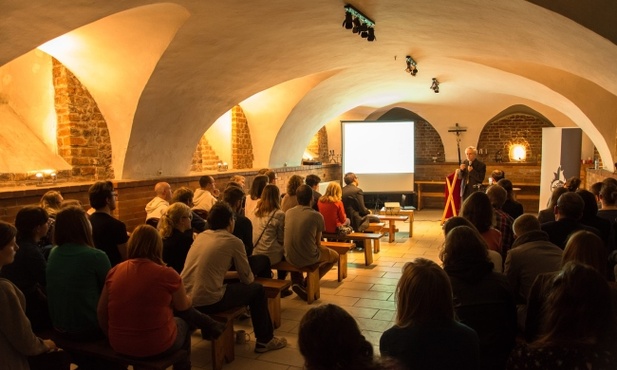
x: 435, y: 86
x: 359, y: 23
x: 411, y: 65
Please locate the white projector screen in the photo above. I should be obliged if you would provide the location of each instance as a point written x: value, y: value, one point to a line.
x: 381, y: 153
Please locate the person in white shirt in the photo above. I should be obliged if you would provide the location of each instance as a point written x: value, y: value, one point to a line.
x: 207, y: 194
x: 155, y: 208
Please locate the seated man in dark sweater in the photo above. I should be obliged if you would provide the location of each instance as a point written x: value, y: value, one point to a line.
x: 108, y: 233
x: 568, y: 212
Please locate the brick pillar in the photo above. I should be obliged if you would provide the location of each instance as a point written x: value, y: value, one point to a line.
x: 319, y: 145
x: 82, y: 134
x: 241, y: 144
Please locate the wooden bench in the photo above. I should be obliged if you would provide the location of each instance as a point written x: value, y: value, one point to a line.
x: 370, y: 240
x: 312, y: 277
x: 223, y: 348
x: 101, y: 350
x: 341, y: 248
x: 273, y: 290
x: 375, y: 227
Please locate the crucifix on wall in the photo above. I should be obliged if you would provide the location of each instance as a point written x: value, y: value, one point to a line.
x: 458, y: 130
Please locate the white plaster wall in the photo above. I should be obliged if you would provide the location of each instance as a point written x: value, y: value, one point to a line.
x: 219, y: 138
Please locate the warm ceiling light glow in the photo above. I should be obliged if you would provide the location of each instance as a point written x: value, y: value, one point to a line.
x: 62, y: 45
x: 518, y: 153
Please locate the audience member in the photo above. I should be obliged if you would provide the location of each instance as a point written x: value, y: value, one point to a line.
x: 108, y: 233
x: 478, y: 210
x: 271, y: 177
x: 207, y: 194
x: 239, y: 179
x: 268, y: 226
x: 313, y: 181
x: 510, y: 206
x: 27, y: 271
x: 503, y: 221
x: 155, y: 208
x: 426, y: 334
x: 496, y: 175
x: 303, y: 228
x: 353, y: 200
x: 582, y: 247
x: 532, y: 254
x: 548, y: 214
x: 290, y: 199
x: 568, y: 212
x: 177, y: 235
x: 136, y: 308
x: 332, y: 209
x: 572, y: 183
x: 330, y: 339
x: 206, y: 267
x: 579, y: 329
x: 595, y: 189
x: 257, y: 187
x: 455, y: 221
x: 185, y: 195
x: 17, y: 341
x: 243, y: 230
x: 51, y: 202
x: 484, y: 299
x: 590, y: 216
x: 471, y: 173
x: 608, y: 199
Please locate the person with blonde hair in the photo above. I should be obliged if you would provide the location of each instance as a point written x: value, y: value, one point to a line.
x: 175, y: 229
x: 136, y: 308
x: 332, y: 209
x: 426, y: 334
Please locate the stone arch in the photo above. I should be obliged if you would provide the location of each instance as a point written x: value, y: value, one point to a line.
x: 517, y: 121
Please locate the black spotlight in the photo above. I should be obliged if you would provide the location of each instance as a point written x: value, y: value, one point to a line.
x: 435, y: 85
x: 356, y: 25
x: 414, y: 71
x: 371, y: 35
x: 348, y: 22
x: 364, y: 34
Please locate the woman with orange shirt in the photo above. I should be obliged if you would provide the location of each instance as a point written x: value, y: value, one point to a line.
x: 332, y: 209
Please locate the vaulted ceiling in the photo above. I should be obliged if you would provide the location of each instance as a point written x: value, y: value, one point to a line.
x: 164, y: 72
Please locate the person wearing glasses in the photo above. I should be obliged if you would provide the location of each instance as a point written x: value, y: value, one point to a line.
x: 109, y: 234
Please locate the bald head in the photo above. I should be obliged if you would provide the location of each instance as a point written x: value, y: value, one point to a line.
x: 524, y: 224
x: 163, y: 190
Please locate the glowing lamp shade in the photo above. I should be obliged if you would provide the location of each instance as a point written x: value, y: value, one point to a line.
x: 518, y: 153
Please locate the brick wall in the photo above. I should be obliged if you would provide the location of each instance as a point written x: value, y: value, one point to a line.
x: 82, y: 134
x: 428, y: 143
x: 319, y: 145
x: 499, y: 134
x: 241, y: 145
x: 204, y: 157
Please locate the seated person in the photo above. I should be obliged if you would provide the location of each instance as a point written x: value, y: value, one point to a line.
x: 496, y: 175
x: 27, y: 271
x: 511, y: 206
x: 313, y: 181
x: 175, y: 229
x: 570, y: 339
x: 426, y: 334
x: 332, y: 209
x: 303, y: 228
x: 136, y: 308
x: 289, y: 199
x: 17, y: 341
x: 185, y: 195
x: 341, y: 345
x: 477, y: 208
x: 548, y: 214
x: 108, y: 233
x: 257, y: 187
x: 155, y: 208
x: 207, y: 266
x: 207, y: 194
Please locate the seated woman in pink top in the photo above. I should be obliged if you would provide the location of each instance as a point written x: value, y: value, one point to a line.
x: 144, y: 308
x: 332, y: 209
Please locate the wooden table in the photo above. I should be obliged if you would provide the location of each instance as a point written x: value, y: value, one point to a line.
x: 391, y: 223
x: 420, y: 185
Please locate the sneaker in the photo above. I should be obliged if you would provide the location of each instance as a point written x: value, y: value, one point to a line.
x: 286, y: 293
x: 300, y: 291
x: 274, y: 344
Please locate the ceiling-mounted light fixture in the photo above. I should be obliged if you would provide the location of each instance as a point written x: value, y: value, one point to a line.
x: 435, y: 86
x: 359, y: 23
x: 411, y: 65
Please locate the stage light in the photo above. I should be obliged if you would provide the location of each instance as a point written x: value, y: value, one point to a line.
x: 435, y: 86
x: 359, y: 23
x: 411, y: 65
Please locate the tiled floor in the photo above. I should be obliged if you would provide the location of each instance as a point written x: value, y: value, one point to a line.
x: 367, y: 293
